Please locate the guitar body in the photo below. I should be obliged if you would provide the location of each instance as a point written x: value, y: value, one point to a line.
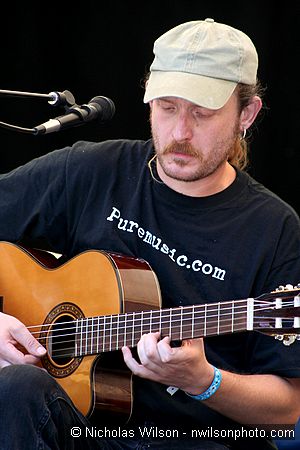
x: 91, y: 284
x: 84, y: 310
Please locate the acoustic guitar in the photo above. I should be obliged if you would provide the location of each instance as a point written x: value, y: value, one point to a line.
x: 85, y: 310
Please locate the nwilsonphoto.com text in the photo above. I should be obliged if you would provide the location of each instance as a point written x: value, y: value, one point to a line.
x: 271, y: 431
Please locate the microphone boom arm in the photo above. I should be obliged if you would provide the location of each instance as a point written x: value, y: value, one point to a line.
x: 75, y: 114
x: 55, y: 98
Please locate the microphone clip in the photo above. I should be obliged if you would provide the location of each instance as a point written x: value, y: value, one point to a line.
x: 65, y: 99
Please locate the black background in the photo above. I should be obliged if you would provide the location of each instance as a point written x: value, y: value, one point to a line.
x: 105, y: 48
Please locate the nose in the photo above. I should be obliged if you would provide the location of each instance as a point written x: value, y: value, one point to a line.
x: 182, y: 130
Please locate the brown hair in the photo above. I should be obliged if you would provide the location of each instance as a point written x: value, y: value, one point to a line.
x: 239, y: 157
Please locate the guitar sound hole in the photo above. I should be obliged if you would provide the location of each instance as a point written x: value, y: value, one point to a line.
x: 61, y: 345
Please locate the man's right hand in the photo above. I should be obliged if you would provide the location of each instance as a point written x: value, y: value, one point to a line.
x: 14, y: 334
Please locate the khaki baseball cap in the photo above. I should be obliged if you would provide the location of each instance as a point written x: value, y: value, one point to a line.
x: 201, y: 61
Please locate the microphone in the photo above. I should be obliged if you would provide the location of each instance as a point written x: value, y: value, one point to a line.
x: 102, y: 108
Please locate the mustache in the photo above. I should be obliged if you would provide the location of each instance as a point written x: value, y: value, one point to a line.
x: 184, y: 148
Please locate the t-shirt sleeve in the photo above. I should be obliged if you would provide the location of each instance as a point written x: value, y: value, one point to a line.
x: 33, y: 201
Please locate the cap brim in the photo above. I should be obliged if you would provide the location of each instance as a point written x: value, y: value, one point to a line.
x: 204, y: 91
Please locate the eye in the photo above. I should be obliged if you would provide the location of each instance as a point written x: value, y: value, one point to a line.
x: 198, y: 113
x: 203, y: 112
x: 166, y: 106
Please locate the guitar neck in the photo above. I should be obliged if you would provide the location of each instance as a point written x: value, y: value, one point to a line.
x: 108, y: 333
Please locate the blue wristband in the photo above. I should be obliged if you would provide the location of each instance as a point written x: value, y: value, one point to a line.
x: 211, y: 389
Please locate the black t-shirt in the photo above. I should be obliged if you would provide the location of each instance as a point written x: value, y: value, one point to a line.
x: 238, y: 243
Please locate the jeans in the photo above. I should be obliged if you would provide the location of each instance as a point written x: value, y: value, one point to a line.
x: 36, y: 414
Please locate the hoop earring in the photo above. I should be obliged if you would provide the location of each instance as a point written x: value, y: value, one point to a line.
x: 244, y: 134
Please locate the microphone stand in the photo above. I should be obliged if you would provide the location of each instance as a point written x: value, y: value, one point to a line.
x: 65, y: 99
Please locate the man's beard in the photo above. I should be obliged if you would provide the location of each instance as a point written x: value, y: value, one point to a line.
x: 206, y: 166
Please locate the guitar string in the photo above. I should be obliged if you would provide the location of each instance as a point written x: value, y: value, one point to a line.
x: 169, y: 312
x: 134, y: 324
x: 104, y: 347
x: 128, y: 317
x: 86, y: 324
x: 92, y: 348
x: 86, y: 329
x: 87, y: 348
x: 116, y: 343
x: 163, y: 324
x: 135, y: 330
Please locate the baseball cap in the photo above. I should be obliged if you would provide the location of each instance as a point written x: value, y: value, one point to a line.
x: 201, y: 61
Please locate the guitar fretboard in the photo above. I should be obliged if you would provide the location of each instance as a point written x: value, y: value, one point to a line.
x: 107, y: 333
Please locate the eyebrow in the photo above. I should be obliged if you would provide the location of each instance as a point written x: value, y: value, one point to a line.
x: 170, y: 100
x: 165, y: 99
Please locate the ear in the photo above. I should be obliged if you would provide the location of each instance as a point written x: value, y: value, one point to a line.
x: 249, y: 113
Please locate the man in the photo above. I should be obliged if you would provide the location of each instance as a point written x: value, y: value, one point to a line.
x: 209, y: 231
